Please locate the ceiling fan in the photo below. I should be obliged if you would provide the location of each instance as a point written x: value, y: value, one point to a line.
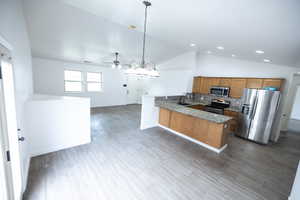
x: 116, y: 62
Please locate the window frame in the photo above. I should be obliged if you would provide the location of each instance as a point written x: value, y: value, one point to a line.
x: 100, y: 81
x: 81, y: 81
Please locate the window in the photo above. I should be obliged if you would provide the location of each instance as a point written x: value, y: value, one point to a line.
x: 73, y: 81
x: 94, y: 81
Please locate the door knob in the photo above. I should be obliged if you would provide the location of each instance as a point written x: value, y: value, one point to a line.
x: 21, y: 139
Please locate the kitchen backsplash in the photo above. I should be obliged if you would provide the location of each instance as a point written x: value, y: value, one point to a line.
x: 207, y: 98
x: 236, y: 103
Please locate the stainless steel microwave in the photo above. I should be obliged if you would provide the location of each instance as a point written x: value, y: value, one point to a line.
x: 220, y: 91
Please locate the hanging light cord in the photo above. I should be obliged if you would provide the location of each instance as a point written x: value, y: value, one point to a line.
x: 145, y: 29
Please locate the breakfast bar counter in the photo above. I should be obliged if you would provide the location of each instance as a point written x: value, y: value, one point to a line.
x: 207, y: 129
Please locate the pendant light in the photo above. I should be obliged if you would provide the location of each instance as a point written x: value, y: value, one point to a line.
x: 144, y: 69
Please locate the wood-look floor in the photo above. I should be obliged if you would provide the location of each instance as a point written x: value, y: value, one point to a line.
x: 124, y: 163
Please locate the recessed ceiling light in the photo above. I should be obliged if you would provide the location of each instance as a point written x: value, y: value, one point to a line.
x: 132, y: 27
x: 220, y: 48
x: 259, y: 51
x: 208, y: 52
x: 233, y: 55
x: 192, y: 44
x: 267, y: 60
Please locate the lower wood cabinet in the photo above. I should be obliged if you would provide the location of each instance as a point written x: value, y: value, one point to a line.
x: 182, y: 123
x: 198, y: 107
x: 164, y: 117
x: 205, y: 131
x: 233, y: 124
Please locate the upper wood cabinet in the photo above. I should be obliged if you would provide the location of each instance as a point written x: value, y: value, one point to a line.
x: 225, y: 82
x: 254, y: 83
x: 207, y: 83
x: 197, y: 84
x: 203, y: 84
x: 273, y: 83
x: 237, y: 87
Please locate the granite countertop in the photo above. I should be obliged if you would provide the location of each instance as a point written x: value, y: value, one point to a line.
x: 174, y: 106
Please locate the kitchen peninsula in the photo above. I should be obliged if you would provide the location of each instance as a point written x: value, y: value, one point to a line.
x: 188, y: 121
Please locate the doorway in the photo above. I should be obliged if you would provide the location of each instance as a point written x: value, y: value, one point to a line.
x: 294, y: 121
x: 8, y: 124
x: 135, y: 90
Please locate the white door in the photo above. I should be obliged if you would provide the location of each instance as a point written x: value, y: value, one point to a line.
x: 9, y: 129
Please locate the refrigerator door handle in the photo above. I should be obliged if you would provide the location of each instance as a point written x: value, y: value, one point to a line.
x: 254, y: 109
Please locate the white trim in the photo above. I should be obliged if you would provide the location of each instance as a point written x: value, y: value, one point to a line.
x: 195, y: 141
x: 5, y: 43
x: 149, y: 126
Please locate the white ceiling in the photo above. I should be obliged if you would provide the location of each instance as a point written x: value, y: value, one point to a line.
x: 92, y: 29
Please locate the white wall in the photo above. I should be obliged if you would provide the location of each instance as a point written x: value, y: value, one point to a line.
x: 13, y: 30
x: 65, y: 123
x: 176, y: 76
x: 296, y: 106
x: 48, y: 78
x: 210, y: 65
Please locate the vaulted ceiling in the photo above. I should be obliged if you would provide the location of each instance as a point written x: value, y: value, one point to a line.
x: 92, y: 30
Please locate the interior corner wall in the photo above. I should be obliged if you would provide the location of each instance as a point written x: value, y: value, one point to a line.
x: 13, y: 30
x: 216, y: 66
x: 176, y: 76
x: 296, y: 105
x: 48, y: 76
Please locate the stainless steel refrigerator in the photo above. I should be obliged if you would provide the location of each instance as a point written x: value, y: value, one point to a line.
x: 256, y: 118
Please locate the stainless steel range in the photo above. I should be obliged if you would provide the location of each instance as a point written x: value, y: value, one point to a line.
x: 217, y: 106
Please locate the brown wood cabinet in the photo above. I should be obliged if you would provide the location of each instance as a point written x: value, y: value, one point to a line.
x: 197, y: 84
x: 164, y: 117
x: 255, y: 83
x: 225, y: 82
x: 198, y: 107
x: 205, y: 131
x: 233, y: 124
x: 203, y: 84
x: 237, y: 87
x: 273, y: 83
x: 182, y: 123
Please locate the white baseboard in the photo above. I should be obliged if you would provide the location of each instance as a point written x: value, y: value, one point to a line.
x: 195, y: 141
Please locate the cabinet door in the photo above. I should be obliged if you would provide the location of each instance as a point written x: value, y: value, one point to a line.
x: 272, y: 83
x: 225, y: 82
x: 237, y: 87
x: 204, y: 86
x: 233, y: 124
x: 213, y: 82
x: 217, y: 136
x: 207, y: 83
x: 182, y: 123
x: 164, y: 117
x: 200, y: 131
x: 254, y: 83
x: 196, y: 84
